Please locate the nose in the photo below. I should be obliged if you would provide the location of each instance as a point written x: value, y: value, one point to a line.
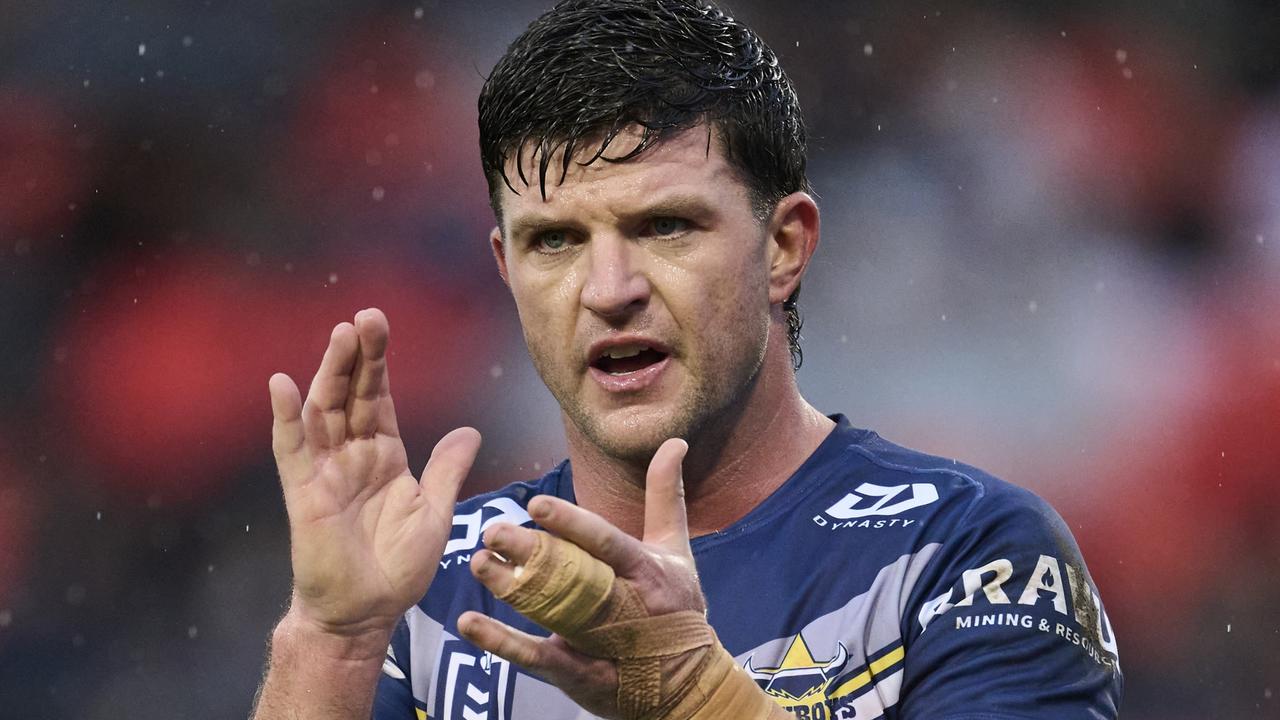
x: 615, y: 285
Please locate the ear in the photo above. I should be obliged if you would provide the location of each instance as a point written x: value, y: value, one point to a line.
x: 499, y: 253
x: 793, y: 237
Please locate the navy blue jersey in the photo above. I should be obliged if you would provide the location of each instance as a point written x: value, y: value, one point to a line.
x: 876, y: 582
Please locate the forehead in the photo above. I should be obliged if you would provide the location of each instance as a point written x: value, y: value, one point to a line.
x: 689, y: 161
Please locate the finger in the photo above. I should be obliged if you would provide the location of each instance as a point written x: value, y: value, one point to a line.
x: 590, y: 532
x: 450, y: 461
x: 287, y: 434
x: 324, y: 413
x: 512, y: 542
x: 665, y: 522
x: 549, y: 657
x: 370, y: 385
x: 493, y: 571
x: 501, y: 639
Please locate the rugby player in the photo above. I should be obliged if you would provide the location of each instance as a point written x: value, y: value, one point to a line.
x: 714, y: 546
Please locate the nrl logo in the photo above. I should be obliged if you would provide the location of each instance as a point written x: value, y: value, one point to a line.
x: 799, y: 677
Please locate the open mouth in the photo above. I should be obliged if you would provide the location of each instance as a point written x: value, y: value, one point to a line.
x: 626, y: 359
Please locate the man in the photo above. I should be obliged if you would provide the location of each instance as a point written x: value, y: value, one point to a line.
x: 646, y: 165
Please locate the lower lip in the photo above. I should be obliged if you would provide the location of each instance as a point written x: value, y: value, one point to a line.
x: 630, y: 382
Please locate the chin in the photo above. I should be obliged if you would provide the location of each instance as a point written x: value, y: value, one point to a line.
x: 631, y: 434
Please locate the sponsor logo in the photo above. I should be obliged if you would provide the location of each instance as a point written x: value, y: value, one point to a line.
x: 468, y: 528
x: 1051, y: 583
x: 828, y: 689
x: 869, y: 500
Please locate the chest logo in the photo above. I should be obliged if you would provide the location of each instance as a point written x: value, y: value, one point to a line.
x: 869, y: 500
x: 799, y: 676
x: 468, y: 528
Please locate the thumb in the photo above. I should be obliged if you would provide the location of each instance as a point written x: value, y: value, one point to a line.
x: 665, y: 522
x: 451, y: 460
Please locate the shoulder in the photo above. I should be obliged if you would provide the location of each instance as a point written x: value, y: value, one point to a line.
x: 875, y: 478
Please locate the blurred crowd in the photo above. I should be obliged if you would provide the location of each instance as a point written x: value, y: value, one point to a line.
x: 1051, y: 248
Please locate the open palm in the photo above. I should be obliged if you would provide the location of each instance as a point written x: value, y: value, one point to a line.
x: 366, y: 535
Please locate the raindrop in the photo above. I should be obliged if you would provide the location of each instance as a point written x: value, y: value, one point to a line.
x: 1033, y: 306
x: 1122, y: 55
x: 75, y: 594
x: 6, y: 618
x: 333, y: 280
x: 495, y: 371
x: 192, y: 632
x: 868, y: 49
x: 379, y: 192
x: 417, y: 13
x: 142, y: 49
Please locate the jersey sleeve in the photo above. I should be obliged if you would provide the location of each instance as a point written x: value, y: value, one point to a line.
x: 393, y: 699
x: 1007, y: 623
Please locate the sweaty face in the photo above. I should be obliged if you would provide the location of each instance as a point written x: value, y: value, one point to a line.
x: 642, y: 289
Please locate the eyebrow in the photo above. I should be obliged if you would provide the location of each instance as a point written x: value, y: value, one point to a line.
x: 686, y: 205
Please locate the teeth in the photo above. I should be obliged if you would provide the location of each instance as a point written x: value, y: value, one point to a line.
x: 625, y: 351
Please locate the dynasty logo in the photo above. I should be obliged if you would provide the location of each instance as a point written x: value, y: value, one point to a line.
x: 873, y: 506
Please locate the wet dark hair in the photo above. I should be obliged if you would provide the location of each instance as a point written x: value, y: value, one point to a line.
x: 588, y: 69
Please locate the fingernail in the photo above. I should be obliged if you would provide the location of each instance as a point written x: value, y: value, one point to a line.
x: 539, y: 508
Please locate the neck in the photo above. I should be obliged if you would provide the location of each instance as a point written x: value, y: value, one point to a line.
x: 735, y: 460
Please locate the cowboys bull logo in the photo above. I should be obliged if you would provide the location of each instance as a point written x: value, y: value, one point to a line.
x: 799, y: 677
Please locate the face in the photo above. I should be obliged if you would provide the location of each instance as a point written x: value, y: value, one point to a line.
x: 643, y: 291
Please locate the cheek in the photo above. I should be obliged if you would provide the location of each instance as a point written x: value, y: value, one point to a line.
x: 732, y: 310
x: 545, y: 305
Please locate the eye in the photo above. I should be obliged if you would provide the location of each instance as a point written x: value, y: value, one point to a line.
x: 668, y: 225
x: 551, y: 241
